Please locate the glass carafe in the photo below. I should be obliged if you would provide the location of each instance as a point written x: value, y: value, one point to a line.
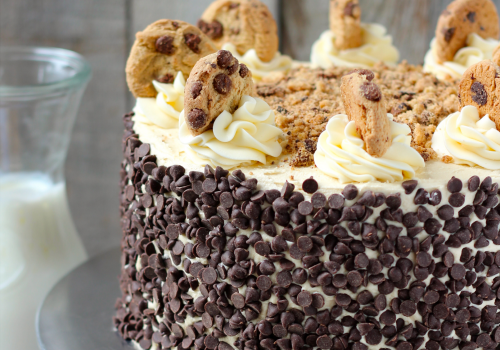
x: 40, y: 91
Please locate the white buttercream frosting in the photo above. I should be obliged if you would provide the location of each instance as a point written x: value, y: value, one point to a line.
x: 470, y: 140
x: 341, y: 154
x: 247, y: 136
x: 164, y: 110
x: 259, y: 68
x: 377, y: 47
x: 477, y: 49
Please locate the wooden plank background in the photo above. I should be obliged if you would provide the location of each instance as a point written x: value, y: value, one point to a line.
x: 103, y: 31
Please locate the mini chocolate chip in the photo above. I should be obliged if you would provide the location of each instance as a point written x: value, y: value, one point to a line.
x: 324, y: 342
x: 435, y: 197
x: 409, y: 186
x: 192, y: 41
x: 373, y: 337
x: 305, y: 208
x: 454, y: 185
x: 222, y: 83
x: 197, y: 118
x: 445, y: 212
x: 388, y: 317
x: 393, y: 201
x: 224, y: 58
x: 305, y: 244
x: 165, y: 45
x: 408, y: 308
x: 196, y: 88
x: 310, y: 185
x: 336, y: 201
x: 457, y: 271
x: 354, y: 278
x: 304, y: 298
x: 371, y: 91
x: 473, y: 183
x: 350, y: 192
x: 456, y: 200
x: 318, y: 200
x: 479, y: 94
x: 343, y: 300
x: 263, y: 283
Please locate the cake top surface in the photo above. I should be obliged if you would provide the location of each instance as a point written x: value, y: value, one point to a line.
x: 305, y: 98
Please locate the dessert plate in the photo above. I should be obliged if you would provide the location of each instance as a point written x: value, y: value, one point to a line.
x: 77, y: 313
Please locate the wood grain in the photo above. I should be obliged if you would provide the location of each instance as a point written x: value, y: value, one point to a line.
x: 103, y: 31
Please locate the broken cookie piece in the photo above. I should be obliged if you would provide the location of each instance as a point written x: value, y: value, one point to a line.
x: 365, y: 105
x: 216, y: 84
x: 345, y: 22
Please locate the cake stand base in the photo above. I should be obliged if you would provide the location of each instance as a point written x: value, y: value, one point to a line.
x: 77, y: 313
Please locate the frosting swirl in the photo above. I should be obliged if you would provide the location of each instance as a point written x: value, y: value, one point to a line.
x: 468, y: 139
x: 259, y: 68
x: 247, y: 136
x: 377, y: 46
x: 341, y: 154
x: 163, y: 111
x: 477, y: 49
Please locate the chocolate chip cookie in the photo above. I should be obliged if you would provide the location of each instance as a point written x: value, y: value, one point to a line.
x: 216, y: 84
x: 365, y: 104
x: 248, y: 24
x: 161, y: 50
x: 461, y: 18
x: 480, y: 87
x: 345, y: 22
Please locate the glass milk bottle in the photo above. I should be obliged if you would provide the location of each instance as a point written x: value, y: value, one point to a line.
x: 40, y: 90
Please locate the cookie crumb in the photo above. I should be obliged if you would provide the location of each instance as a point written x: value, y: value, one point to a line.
x: 447, y: 159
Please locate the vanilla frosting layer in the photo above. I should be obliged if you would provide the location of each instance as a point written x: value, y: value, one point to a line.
x: 341, y: 154
x: 247, y: 136
x: 477, y: 49
x: 377, y: 46
x: 164, y: 110
x: 470, y: 140
x: 259, y: 68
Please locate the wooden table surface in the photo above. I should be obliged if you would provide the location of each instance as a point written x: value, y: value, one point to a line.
x: 103, y: 31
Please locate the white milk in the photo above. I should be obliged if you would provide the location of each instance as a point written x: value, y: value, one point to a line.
x: 38, y: 245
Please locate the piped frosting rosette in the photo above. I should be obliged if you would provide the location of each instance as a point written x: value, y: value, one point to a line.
x: 259, y: 68
x: 165, y: 109
x: 376, y: 47
x: 247, y: 136
x: 469, y: 139
x: 341, y: 154
x: 477, y: 50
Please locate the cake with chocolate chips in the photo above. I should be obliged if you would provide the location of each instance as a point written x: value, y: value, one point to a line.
x: 341, y: 207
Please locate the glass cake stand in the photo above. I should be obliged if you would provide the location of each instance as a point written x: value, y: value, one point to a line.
x: 77, y: 313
